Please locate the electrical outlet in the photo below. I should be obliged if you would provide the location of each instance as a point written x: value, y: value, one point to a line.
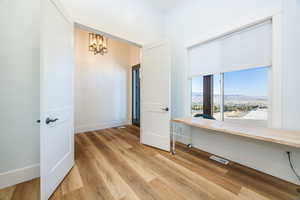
x: 180, y: 130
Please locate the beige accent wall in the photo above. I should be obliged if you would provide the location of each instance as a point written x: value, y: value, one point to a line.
x: 102, y: 84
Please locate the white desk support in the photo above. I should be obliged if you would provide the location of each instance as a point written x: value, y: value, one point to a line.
x: 175, y: 127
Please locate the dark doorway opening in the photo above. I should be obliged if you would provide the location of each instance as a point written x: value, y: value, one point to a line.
x: 136, y: 95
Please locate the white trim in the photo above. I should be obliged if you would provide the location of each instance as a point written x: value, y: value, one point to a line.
x: 99, y: 126
x: 275, y: 91
x: 16, y: 176
x: 154, y: 45
x: 227, y: 33
x: 62, y: 10
x: 232, y: 30
x: 188, y: 85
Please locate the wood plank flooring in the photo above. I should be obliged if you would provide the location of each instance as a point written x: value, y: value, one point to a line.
x: 112, y: 165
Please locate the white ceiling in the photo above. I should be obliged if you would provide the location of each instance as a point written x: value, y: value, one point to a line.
x: 164, y: 5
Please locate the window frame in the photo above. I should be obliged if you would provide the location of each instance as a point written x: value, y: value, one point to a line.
x: 275, y: 113
x: 222, y: 94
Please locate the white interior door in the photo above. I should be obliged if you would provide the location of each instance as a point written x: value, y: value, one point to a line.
x: 56, y: 129
x: 155, y: 96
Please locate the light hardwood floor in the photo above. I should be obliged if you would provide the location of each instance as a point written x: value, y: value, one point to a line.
x: 112, y: 165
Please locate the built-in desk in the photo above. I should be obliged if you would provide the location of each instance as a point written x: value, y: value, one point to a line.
x: 279, y: 136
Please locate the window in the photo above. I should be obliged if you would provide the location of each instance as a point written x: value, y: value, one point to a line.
x: 197, y: 95
x: 246, y: 96
x: 238, y: 96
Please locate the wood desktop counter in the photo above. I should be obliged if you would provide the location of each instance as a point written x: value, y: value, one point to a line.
x: 278, y: 136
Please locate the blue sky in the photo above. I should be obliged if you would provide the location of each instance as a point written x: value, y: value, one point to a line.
x: 252, y: 82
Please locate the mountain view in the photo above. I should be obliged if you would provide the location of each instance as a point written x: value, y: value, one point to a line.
x: 245, y: 109
x: 245, y: 96
x: 197, y: 97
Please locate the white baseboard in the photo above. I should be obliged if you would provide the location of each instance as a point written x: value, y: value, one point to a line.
x: 99, y: 126
x: 19, y: 175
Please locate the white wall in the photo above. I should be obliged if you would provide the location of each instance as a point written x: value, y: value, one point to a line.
x: 291, y: 65
x: 19, y: 91
x: 134, y: 20
x: 196, y: 20
x: 101, y: 84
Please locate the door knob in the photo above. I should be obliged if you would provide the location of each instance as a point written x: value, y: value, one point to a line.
x: 49, y: 120
x: 165, y: 109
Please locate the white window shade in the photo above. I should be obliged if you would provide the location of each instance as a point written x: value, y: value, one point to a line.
x: 249, y: 48
x: 205, y: 59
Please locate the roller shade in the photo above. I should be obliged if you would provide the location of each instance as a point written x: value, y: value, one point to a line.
x: 205, y: 59
x: 249, y: 48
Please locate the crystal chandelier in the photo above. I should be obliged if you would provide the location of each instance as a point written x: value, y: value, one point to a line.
x: 97, y: 44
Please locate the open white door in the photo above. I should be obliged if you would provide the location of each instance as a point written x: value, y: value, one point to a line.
x: 155, y: 96
x: 56, y: 128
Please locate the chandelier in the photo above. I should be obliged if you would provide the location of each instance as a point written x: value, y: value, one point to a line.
x: 97, y: 44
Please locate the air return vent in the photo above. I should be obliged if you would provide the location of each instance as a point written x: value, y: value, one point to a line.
x: 220, y: 160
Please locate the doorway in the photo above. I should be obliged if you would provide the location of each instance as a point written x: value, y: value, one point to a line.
x: 136, y: 97
x: 103, y: 82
